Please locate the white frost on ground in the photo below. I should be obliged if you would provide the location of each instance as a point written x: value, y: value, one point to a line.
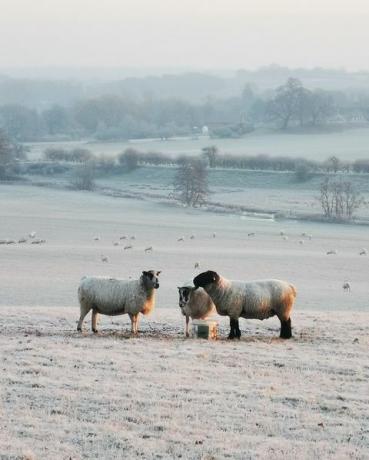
x: 160, y: 396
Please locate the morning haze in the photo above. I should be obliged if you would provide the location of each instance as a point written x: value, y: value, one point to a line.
x: 184, y: 213
x: 201, y: 34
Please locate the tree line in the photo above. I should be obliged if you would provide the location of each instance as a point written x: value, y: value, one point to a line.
x: 114, y: 117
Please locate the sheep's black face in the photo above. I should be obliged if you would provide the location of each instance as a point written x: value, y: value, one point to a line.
x: 205, y: 278
x: 184, y: 296
x: 150, y: 279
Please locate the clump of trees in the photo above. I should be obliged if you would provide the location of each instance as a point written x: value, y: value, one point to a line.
x: 294, y: 103
x: 339, y: 199
x: 191, y: 182
x: 10, y: 153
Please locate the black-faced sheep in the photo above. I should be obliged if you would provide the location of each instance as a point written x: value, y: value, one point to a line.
x: 194, y: 304
x: 256, y: 299
x: 109, y: 296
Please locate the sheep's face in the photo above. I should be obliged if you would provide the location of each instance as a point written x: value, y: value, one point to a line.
x: 151, y: 279
x: 205, y: 279
x: 184, y: 296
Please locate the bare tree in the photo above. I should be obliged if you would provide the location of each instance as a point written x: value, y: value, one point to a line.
x: 210, y: 153
x: 287, y: 103
x: 84, y: 176
x: 339, y: 199
x: 191, y: 182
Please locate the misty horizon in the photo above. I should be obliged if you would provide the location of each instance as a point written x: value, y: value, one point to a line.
x: 191, y: 35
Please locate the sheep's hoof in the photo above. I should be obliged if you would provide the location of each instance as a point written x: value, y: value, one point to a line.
x: 187, y: 334
x: 95, y: 331
x: 231, y: 336
x: 79, y: 329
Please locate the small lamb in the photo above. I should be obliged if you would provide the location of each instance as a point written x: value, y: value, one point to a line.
x: 194, y: 304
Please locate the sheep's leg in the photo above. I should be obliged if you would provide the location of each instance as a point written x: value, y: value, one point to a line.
x: 83, y: 314
x: 94, y: 321
x: 237, y: 328
x: 134, y: 323
x: 187, y: 322
x: 232, y: 333
x: 286, y: 332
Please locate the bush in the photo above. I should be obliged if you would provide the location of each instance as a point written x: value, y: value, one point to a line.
x: 84, y: 177
x: 129, y: 159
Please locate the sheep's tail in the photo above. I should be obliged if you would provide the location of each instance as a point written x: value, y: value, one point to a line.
x: 294, y: 290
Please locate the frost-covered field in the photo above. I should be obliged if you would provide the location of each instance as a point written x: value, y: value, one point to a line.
x: 66, y: 395
x: 49, y: 274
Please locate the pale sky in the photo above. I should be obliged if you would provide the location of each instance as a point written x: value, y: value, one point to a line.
x: 227, y: 34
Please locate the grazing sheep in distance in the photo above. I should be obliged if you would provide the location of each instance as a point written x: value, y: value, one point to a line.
x: 115, y: 243
x: 363, y: 252
x: 301, y: 242
x: 214, y: 235
x: 255, y: 299
x: 133, y: 237
x: 109, y: 296
x: 194, y: 304
x: 22, y: 240
x: 332, y: 252
x: 32, y: 234
x: 104, y: 258
x: 285, y: 237
x: 282, y: 232
x: 251, y: 234
x: 197, y: 265
x: 149, y: 249
x: 97, y: 238
x: 346, y: 286
x: 129, y: 246
x: 123, y: 237
x: 181, y: 239
x: 38, y: 241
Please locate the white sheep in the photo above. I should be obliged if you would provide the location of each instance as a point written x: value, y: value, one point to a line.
x: 32, y: 234
x: 109, y: 296
x: 256, y: 299
x: 194, y: 304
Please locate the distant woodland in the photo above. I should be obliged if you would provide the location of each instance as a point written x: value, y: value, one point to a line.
x: 175, y: 105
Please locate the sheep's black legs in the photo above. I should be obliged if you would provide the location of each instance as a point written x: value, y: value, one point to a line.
x: 235, y: 329
x: 286, y: 332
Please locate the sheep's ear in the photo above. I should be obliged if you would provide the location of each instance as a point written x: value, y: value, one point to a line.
x: 215, y: 276
x: 158, y: 273
x: 144, y: 273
